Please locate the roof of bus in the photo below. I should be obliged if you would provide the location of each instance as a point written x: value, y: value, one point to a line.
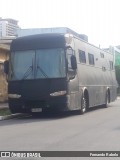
x: 38, y: 41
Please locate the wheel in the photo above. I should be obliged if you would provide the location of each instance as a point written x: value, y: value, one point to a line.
x: 107, y: 99
x: 13, y: 110
x: 83, y: 104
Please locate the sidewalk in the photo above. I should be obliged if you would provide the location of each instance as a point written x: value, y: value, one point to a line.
x: 7, y: 114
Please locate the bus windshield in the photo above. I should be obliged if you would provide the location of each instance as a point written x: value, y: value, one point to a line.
x: 37, y: 64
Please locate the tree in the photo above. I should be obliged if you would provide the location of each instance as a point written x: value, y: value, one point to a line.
x: 117, y: 70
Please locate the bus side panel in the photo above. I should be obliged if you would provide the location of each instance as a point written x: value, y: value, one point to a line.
x: 95, y: 78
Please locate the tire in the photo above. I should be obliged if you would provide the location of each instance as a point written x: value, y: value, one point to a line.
x: 14, y: 109
x: 83, y: 104
x: 107, y: 99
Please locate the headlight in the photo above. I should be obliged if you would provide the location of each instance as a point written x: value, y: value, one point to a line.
x: 14, y: 95
x: 59, y: 93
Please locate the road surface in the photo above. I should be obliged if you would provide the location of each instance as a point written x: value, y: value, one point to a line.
x: 96, y: 130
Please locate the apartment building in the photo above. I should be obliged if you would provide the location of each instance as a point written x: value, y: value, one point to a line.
x: 8, y: 27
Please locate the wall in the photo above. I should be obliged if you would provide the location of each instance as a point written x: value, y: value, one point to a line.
x: 3, y: 83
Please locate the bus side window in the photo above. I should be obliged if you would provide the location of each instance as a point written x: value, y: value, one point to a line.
x: 82, y: 56
x: 102, y: 55
x: 111, y: 65
x: 91, y: 59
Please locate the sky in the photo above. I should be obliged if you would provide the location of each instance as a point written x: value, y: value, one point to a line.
x: 98, y: 19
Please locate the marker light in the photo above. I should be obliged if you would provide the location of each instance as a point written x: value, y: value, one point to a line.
x: 59, y: 93
x: 14, y: 95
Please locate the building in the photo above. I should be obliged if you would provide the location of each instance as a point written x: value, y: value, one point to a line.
x: 8, y: 27
x: 32, y: 31
x: 115, y: 50
x: 117, y: 55
x: 4, y: 54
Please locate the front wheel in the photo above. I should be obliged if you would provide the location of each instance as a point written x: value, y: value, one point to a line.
x: 83, y: 104
x: 14, y: 109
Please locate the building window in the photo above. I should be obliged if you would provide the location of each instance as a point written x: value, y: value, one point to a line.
x: 91, y: 59
x: 82, y: 56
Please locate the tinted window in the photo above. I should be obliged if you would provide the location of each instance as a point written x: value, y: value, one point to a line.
x: 91, y: 59
x: 111, y: 65
x: 34, y: 64
x: 82, y: 56
x: 50, y: 63
x: 102, y: 55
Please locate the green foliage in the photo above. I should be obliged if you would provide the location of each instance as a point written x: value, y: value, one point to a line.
x: 117, y: 70
x: 4, y: 112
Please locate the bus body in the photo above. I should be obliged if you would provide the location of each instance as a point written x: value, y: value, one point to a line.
x: 58, y: 72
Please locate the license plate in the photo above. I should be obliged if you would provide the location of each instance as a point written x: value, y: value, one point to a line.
x: 36, y: 110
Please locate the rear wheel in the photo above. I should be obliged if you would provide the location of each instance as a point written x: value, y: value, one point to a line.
x: 107, y: 98
x: 83, y: 104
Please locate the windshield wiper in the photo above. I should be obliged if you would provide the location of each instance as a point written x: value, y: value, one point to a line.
x: 28, y: 72
x: 43, y: 73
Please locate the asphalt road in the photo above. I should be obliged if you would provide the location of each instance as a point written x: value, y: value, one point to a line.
x: 96, y: 130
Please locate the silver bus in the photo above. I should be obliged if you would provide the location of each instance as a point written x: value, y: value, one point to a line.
x: 58, y: 72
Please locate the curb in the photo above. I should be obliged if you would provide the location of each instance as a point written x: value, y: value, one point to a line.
x: 10, y: 116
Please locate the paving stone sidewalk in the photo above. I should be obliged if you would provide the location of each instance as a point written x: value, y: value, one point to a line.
x: 9, y: 115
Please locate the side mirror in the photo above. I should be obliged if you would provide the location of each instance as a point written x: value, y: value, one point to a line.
x: 6, y: 66
x: 73, y: 62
